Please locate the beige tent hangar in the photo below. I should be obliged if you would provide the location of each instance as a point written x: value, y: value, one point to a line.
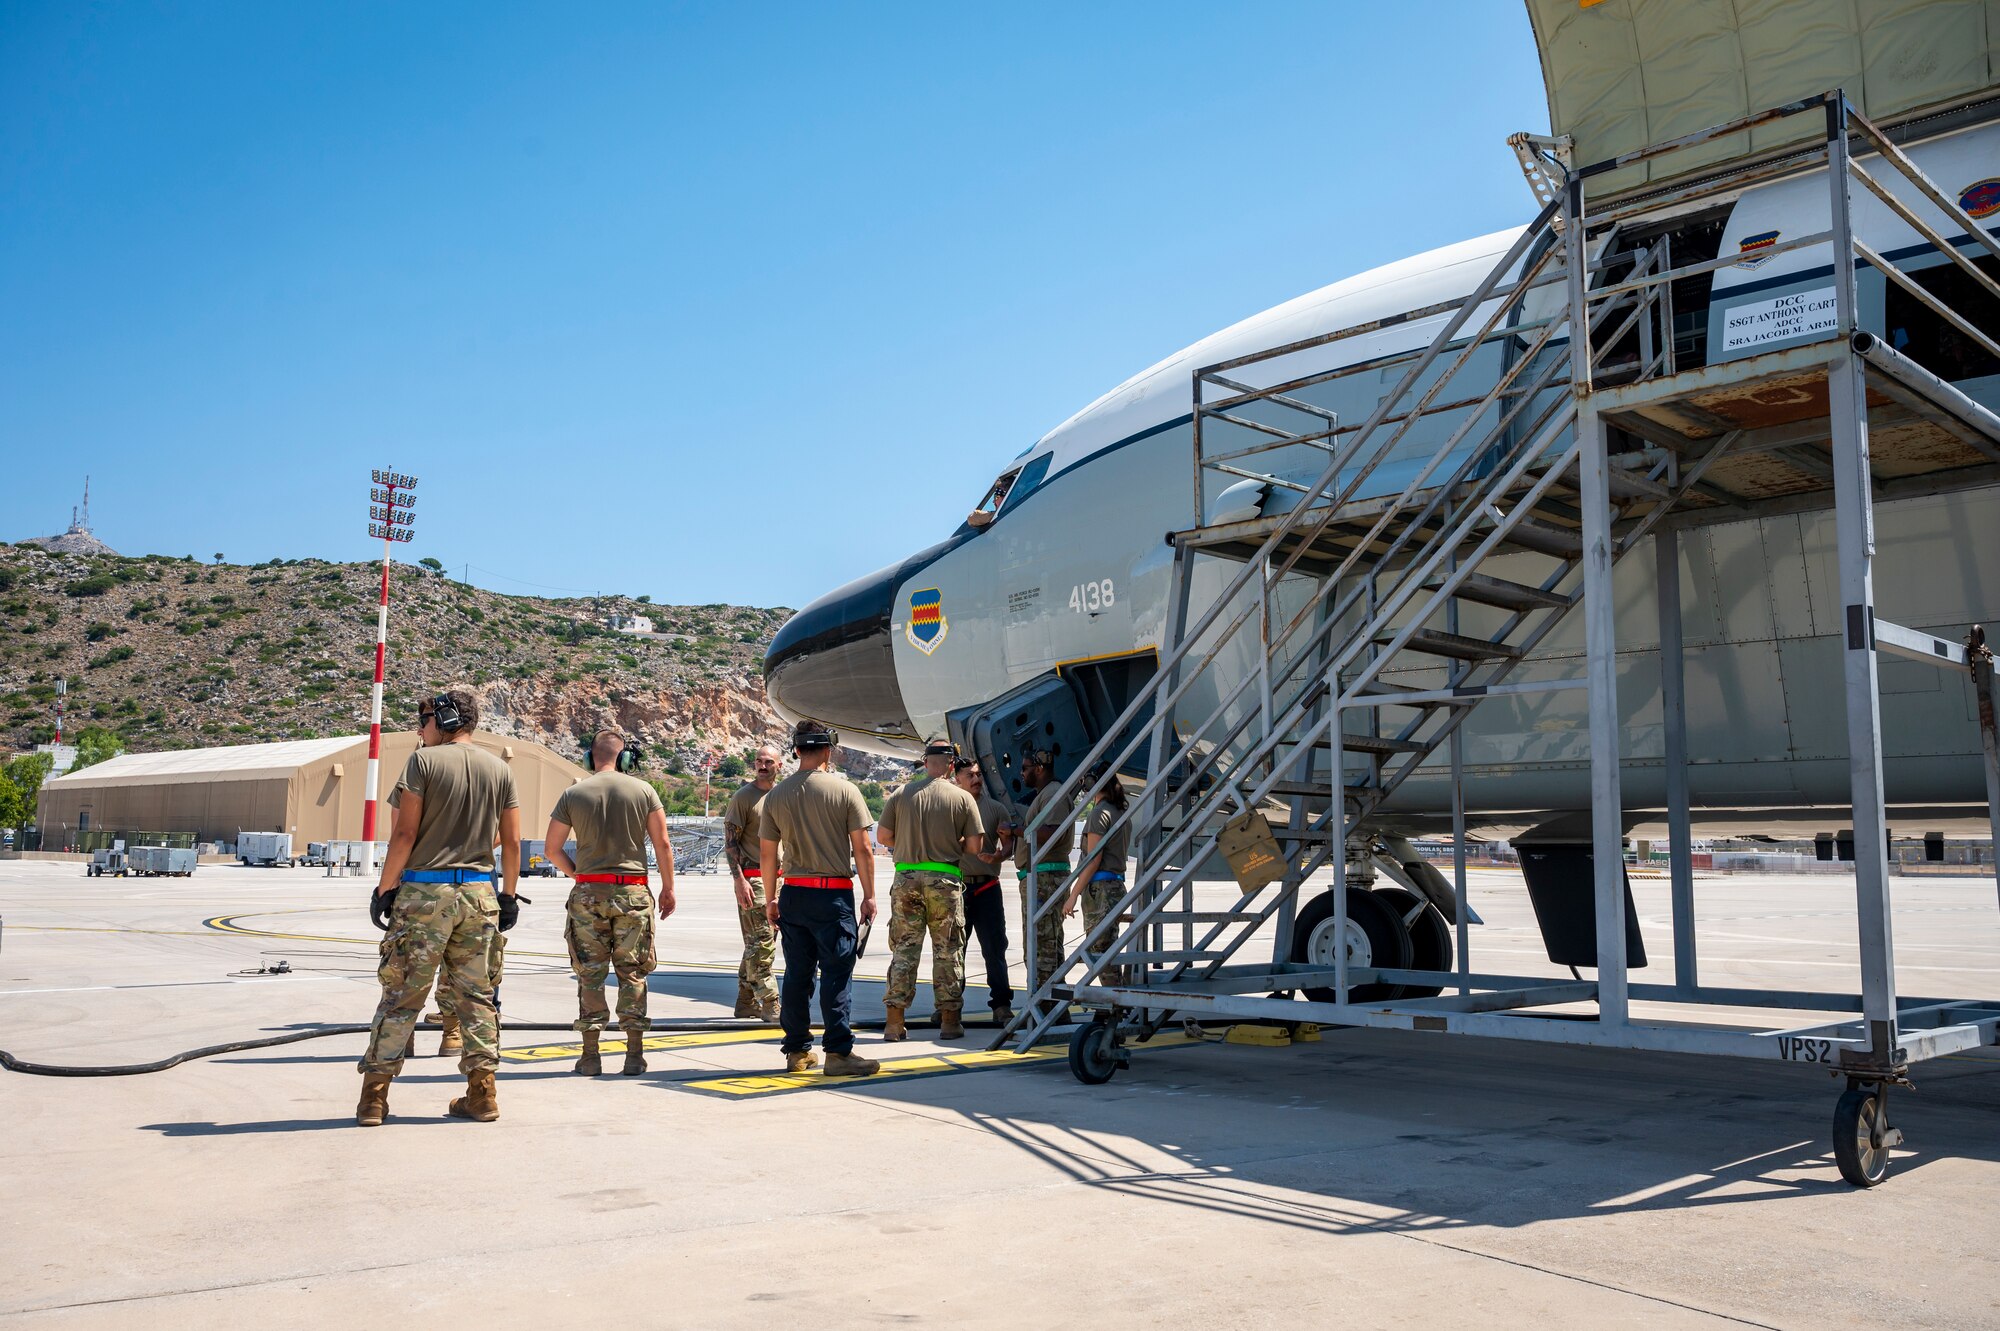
x: 1623, y: 74
x: 311, y: 788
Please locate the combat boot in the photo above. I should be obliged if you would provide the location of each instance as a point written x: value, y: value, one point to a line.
x: 850, y: 1065
x: 803, y: 1061
x: 767, y: 1010
x: 480, y: 1103
x: 1003, y: 1013
x: 452, y: 1042
x: 635, y: 1054
x: 949, y: 1025
x: 374, y: 1106
x: 893, y: 1028
x: 746, y: 1002
x: 590, y: 1063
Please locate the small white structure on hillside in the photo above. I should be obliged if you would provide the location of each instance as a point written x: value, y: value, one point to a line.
x: 629, y: 623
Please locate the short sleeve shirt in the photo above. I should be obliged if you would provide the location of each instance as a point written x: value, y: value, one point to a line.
x: 812, y: 816
x: 992, y: 813
x: 1111, y: 849
x: 464, y: 790
x: 1062, y: 824
x: 743, y: 818
x: 609, y: 812
x: 929, y: 821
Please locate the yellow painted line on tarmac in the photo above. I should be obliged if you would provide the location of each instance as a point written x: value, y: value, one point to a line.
x: 615, y: 1044
x: 923, y: 1065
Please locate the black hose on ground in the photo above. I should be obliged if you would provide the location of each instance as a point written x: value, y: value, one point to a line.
x: 21, y: 1065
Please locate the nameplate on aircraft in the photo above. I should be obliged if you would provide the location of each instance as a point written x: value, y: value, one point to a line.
x: 1801, y: 314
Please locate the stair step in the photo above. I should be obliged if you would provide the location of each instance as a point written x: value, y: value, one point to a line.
x: 1155, y: 959
x: 1544, y: 539
x: 1202, y: 916
x: 1435, y: 642
x: 1506, y: 595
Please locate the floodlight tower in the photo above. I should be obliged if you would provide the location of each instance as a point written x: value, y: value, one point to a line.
x: 389, y: 517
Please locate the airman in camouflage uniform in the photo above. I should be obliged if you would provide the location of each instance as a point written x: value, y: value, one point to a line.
x: 609, y: 924
x: 756, y: 991
x: 1043, y: 860
x: 929, y: 826
x: 437, y: 902
x: 446, y: 998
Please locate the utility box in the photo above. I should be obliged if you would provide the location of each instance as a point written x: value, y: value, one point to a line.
x: 162, y: 861
x: 264, y: 848
x: 107, y: 863
x: 315, y: 854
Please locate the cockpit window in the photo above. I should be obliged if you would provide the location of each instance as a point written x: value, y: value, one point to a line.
x: 1026, y: 480
x: 1011, y: 488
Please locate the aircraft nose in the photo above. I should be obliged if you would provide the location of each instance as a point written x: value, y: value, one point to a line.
x: 832, y: 662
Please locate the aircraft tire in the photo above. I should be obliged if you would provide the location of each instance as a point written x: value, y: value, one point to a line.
x: 1374, y: 931
x: 1430, y: 937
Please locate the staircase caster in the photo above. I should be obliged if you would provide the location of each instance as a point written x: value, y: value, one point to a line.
x: 1862, y: 1137
x: 1430, y: 937
x: 1094, y: 1056
x: 1375, y: 937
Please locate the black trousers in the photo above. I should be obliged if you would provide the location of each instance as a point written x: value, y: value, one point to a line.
x: 986, y: 919
x: 817, y: 928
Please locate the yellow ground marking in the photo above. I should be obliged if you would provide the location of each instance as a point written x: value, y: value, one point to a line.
x: 614, y: 1043
x: 923, y: 1065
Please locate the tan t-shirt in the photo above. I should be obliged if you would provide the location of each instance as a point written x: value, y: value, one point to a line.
x: 742, y: 819
x: 464, y: 790
x: 812, y: 816
x: 929, y: 819
x: 609, y: 811
x: 1061, y: 824
x: 992, y: 813
x: 1111, y: 850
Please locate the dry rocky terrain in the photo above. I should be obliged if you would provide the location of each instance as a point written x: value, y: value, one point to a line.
x: 171, y: 653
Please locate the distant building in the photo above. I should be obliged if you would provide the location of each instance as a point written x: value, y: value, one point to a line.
x: 311, y: 788
x: 629, y: 623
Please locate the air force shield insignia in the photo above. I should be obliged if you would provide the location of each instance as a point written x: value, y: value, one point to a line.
x: 927, y: 625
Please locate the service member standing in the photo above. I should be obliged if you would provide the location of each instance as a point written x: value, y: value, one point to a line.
x: 1041, y: 862
x: 437, y: 903
x: 610, y: 918
x: 756, y: 991
x: 929, y: 826
x: 985, y: 903
x: 1100, y: 883
x: 813, y: 839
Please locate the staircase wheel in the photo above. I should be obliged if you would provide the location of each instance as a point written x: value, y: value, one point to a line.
x: 1091, y: 1058
x: 1375, y: 937
x: 1430, y: 937
x: 1858, y: 1121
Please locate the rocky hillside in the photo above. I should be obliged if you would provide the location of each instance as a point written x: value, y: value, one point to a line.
x: 171, y: 653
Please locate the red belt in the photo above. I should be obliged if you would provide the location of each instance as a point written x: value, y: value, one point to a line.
x: 973, y: 886
x: 618, y: 879
x: 753, y: 873
x: 791, y: 881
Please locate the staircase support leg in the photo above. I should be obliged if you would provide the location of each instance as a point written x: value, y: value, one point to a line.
x: 1673, y: 718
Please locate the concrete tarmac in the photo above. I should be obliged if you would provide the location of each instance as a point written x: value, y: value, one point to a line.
x: 1369, y: 1179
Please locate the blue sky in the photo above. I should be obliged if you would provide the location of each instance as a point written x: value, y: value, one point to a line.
x: 709, y: 302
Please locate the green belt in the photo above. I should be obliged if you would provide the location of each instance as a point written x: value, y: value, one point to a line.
x: 929, y: 866
x: 1057, y: 866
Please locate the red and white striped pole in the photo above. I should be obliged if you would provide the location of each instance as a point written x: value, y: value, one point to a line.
x: 390, y: 519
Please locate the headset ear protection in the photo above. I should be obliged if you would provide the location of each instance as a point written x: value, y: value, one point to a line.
x: 814, y: 735
x: 445, y: 712
x: 629, y: 757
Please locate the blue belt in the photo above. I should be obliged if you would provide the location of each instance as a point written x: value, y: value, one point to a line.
x: 1107, y: 878
x: 447, y: 875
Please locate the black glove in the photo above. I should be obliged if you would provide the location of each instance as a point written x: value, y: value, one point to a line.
x: 379, y: 906
x: 510, y: 909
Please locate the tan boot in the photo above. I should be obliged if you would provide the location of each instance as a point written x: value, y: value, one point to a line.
x: 1003, y: 1013
x: 480, y: 1103
x: 893, y: 1028
x: 635, y: 1054
x: 803, y: 1061
x: 746, y: 1002
x: 452, y: 1042
x: 374, y: 1106
x: 590, y: 1062
x: 850, y: 1065
x: 949, y: 1025
x: 767, y: 1010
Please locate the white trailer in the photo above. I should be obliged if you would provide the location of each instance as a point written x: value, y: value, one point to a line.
x: 264, y: 848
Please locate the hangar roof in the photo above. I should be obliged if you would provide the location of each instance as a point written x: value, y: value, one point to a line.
x: 236, y: 762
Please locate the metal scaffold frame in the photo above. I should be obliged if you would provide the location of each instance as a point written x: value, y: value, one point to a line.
x: 1525, y: 466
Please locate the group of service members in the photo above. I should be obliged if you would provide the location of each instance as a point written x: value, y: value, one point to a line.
x: 443, y: 915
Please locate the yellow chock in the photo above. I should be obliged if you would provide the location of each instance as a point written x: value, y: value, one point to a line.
x: 1268, y: 1037
x: 1305, y: 1032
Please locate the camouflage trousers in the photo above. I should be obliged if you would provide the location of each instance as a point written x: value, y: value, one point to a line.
x: 432, y: 925
x: 610, y: 927
x: 921, y: 902
x: 1048, y: 935
x: 1099, y: 900
x: 496, y: 966
x: 760, y: 947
